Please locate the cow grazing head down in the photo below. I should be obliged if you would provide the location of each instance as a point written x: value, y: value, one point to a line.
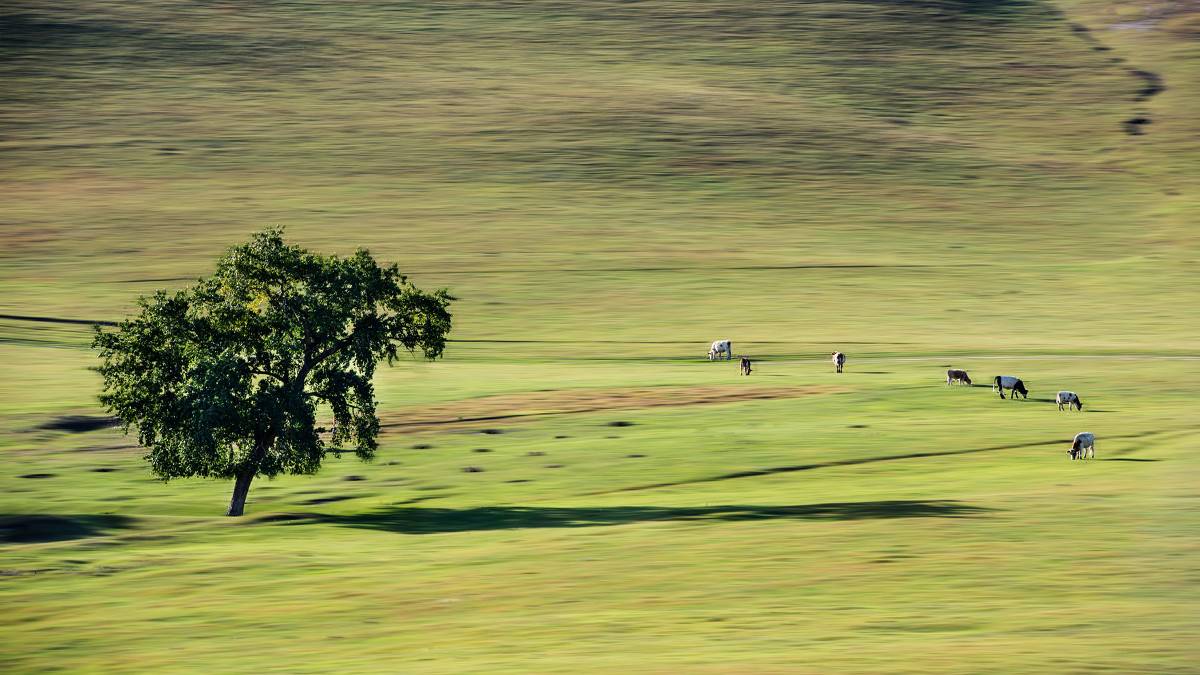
x: 1019, y: 388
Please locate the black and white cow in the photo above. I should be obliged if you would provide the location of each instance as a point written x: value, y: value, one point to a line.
x: 1002, y: 382
x: 1068, y: 399
x: 1083, y: 443
x: 719, y: 348
x: 839, y: 360
x: 954, y: 375
x: 745, y: 366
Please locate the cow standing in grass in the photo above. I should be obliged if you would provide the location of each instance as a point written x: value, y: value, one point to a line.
x: 1013, y: 384
x: 1083, y: 443
x: 719, y: 348
x: 954, y: 376
x: 839, y: 360
x: 745, y: 366
x: 1069, y: 399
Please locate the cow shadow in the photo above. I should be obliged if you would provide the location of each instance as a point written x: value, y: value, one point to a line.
x: 419, y: 520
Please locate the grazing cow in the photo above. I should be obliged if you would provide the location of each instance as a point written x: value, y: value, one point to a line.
x: 1002, y: 382
x: 953, y: 375
x: 1068, y: 399
x: 1083, y: 443
x: 720, y: 347
x: 839, y: 360
x: 745, y: 366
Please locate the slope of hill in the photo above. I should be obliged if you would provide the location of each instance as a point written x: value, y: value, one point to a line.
x: 557, y: 137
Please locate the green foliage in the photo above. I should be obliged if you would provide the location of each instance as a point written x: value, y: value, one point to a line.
x: 225, y: 378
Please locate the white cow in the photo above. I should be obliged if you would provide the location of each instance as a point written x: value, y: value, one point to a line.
x: 1084, y: 442
x: 1068, y: 399
x: 839, y: 360
x: 720, y: 347
x: 1002, y: 382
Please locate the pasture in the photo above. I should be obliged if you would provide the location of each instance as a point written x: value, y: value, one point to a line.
x: 608, y: 187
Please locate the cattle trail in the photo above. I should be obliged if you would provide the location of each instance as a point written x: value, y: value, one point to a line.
x: 1152, y: 83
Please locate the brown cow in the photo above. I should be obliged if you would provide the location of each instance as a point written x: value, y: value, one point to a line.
x: 954, y: 375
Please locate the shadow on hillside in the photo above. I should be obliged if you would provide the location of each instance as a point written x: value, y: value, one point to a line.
x: 792, y: 468
x: 35, y: 529
x: 991, y: 8
x: 134, y: 41
x: 439, y: 520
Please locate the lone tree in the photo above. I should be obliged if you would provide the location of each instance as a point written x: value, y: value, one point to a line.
x: 225, y: 379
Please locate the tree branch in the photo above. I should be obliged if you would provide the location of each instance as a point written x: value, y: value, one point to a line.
x: 255, y: 371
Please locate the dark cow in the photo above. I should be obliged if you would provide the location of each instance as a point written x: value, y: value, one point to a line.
x: 839, y: 360
x: 745, y: 366
x: 954, y: 376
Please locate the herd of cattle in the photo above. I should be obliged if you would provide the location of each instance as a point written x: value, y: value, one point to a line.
x: 1082, y: 446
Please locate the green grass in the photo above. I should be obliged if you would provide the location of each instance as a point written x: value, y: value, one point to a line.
x: 919, y: 184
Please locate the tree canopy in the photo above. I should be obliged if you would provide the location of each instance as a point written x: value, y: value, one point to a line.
x: 226, y: 378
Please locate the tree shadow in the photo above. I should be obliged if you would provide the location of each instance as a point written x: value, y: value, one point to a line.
x: 80, y: 423
x: 35, y: 529
x: 441, y: 520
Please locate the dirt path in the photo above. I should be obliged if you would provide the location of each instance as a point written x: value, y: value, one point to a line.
x: 573, y: 401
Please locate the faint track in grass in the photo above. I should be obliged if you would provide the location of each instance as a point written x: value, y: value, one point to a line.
x: 647, y: 269
x: 780, y: 358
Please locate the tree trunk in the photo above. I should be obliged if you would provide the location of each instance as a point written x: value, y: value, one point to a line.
x: 241, y: 488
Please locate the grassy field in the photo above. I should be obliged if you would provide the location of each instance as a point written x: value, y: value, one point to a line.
x: 609, y: 186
